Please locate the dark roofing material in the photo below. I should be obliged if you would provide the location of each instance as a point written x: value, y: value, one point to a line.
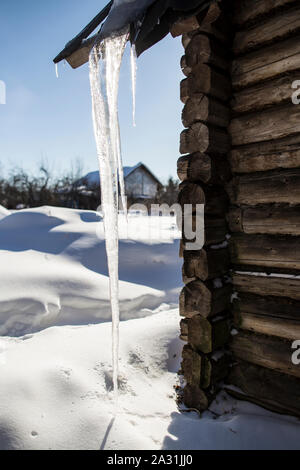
x: 161, y: 16
x: 156, y: 24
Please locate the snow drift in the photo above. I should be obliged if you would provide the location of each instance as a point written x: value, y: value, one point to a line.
x: 53, y: 270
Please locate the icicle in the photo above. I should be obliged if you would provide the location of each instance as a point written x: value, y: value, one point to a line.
x: 56, y: 70
x: 104, y: 91
x: 113, y: 65
x: 133, y: 57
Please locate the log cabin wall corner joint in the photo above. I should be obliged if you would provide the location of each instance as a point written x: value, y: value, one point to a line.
x: 241, y: 156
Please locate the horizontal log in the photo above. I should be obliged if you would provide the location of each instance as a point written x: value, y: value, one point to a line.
x: 204, y: 79
x: 270, y: 307
x: 220, y: 30
x: 245, y: 11
x: 205, y: 50
x: 184, y: 90
x: 268, y: 286
x: 196, y: 399
x: 265, y: 351
x: 206, y: 336
x: 194, y: 22
x: 184, y: 26
x: 218, y: 27
x: 264, y: 156
x: 265, y: 219
x: 184, y: 329
x: 264, y: 188
x: 201, y: 371
x: 195, y: 167
x: 205, y: 264
x: 181, y: 249
x: 185, y: 69
x: 191, y: 193
x: 191, y: 366
x: 273, y: 28
x: 200, y: 167
x: 271, y: 389
x: 214, y: 197
x: 204, y: 138
x: 215, y: 231
x: 266, y: 251
x: 242, y: 162
x: 281, y: 328
x: 259, y: 97
x: 202, y: 298
x: 186, y: 39
x: 206, y: 109
x: 214, y: 370
x: 275, y: 123
x: 216, y: 200
x: 270, y: 62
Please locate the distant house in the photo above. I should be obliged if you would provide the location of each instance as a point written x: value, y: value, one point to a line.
x: 140, y: 182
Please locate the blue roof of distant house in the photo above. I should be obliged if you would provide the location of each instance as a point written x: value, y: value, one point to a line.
x: 93, y: 178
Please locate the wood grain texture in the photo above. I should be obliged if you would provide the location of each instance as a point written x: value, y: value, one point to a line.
x: 267, y: 285
x: 204, y: 138
x: 205, y: 79
x: 264, y: 156
x: 245, y: 11
x: 203, y: 299
x: 259, y: 97
x: 270, y: 62
x: 282, y: 308
x: 206, y: 336
x: 200, y: 107
x: 270, y: 219
x: 280, y: 328
x: 274, y: 123
x: 272, y: 29
x: 201, y: 167
x: 205, y: 264
x: 203, y: 49
x: 266, y: 251
x: 271, y: 389
x: 266, y: 351
x: 266, y: 187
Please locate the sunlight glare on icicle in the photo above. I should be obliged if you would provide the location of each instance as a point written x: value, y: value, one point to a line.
x: 105, y: 63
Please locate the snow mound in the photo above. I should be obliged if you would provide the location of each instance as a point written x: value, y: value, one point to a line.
x: 54, y: 272
x: 3, y: 212
x: 56, y: 394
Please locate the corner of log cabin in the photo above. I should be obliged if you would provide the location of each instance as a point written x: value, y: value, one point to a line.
x: 240, y: 156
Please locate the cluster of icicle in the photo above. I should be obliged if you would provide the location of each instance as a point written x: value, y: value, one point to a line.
x: 105, y: 64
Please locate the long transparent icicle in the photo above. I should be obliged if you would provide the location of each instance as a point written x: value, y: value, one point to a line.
x: 133, y: 60
x: 112, y: 72
x: 105, y: 63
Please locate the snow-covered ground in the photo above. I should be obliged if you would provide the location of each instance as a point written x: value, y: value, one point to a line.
x: 55, y: 387
x: 53, y: 268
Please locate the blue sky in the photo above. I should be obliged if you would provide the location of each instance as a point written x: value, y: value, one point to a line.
x: 50, y: 119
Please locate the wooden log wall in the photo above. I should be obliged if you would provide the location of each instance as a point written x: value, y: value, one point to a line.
x: 241, y: 158
x: 264, y: 214
x: 204, y: 171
